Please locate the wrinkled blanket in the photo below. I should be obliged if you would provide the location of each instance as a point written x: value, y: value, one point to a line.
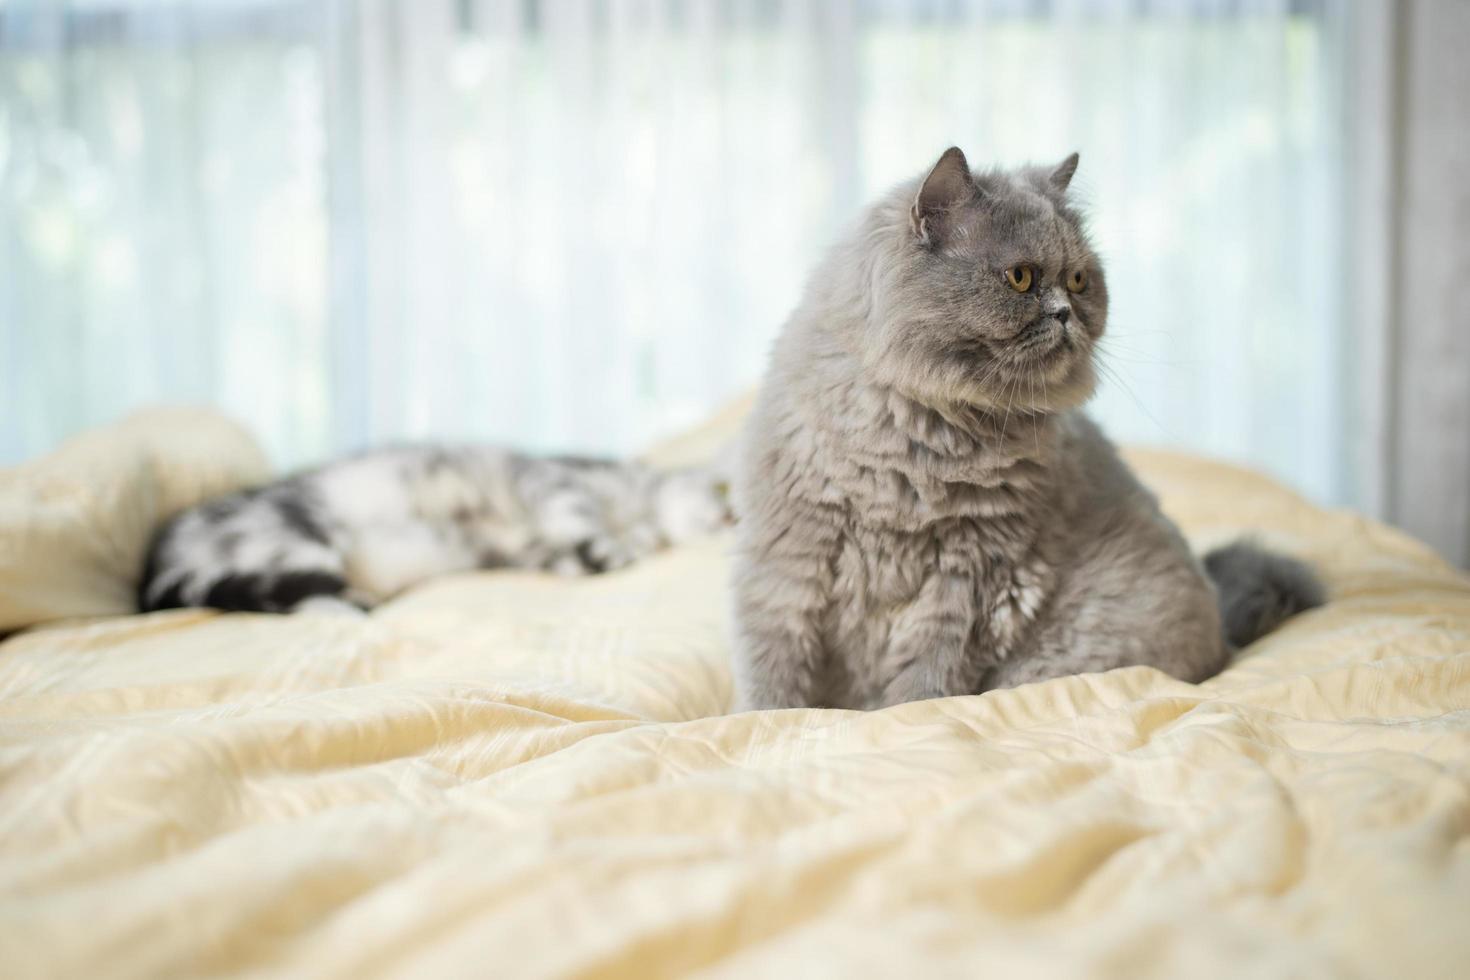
x: 505, y: 774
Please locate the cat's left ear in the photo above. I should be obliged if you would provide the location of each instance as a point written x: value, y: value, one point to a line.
x: 948, y: 185
x: 1061, y: 175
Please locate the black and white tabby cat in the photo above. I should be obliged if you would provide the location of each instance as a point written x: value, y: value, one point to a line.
x: 357, y: 531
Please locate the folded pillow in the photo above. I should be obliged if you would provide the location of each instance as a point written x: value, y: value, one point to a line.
x: 75, y: 525
x: 714, y: 442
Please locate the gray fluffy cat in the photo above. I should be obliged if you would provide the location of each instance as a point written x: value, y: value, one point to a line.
x: 924, y: 511
x: 360, y: 530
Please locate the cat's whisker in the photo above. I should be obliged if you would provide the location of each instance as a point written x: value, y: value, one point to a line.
x: 1113, y: 375
x: 1035, y: 427
x: 1010, y: 397
x: 989, y: 374
x: 1134, y: 356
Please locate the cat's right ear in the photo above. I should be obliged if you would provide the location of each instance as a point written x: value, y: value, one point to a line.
x: 948, y: 185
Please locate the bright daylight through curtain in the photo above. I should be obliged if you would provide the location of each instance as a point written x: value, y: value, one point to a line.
x: 578, y: 225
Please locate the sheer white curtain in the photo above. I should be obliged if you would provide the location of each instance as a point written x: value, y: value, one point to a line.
x: 579, y: 224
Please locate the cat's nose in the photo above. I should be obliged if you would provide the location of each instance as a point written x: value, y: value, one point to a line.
x: 1063, y: 315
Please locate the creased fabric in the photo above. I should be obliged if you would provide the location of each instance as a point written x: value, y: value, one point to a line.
x: 514, y: 775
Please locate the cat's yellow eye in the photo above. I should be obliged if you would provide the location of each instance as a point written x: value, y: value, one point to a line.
x: 1077, y: 281
x: 1019, y: 278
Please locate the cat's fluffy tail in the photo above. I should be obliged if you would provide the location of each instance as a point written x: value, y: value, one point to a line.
x: 1259, y: 589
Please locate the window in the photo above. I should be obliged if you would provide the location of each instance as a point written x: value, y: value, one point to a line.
x: 579, y: 225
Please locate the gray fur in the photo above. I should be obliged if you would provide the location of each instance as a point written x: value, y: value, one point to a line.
x: 924, y: 511
x: 1259, y: 589
x: 360, y: 530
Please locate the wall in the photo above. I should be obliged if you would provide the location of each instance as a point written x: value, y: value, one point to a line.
x: 1428, y: 472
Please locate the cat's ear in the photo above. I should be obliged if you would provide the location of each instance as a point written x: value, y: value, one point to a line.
x: 948, y: 185
x: 1061, y: 174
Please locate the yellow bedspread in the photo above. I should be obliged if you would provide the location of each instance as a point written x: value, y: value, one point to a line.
x: 510, y: 775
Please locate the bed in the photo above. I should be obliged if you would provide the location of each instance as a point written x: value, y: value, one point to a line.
x: 505, y: 774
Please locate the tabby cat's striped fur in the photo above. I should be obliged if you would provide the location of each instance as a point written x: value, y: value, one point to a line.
x: 362, y: 529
